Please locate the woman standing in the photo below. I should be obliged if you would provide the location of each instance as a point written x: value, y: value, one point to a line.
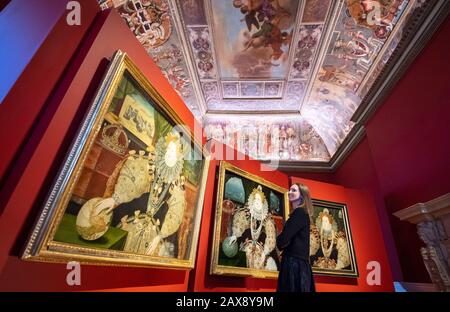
x: 295, y: 272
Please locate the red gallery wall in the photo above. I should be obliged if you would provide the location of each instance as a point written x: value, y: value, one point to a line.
x: 358, y: 171
x: 62, y: 107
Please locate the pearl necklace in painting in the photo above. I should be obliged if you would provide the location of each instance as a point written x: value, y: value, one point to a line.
x: 255, y: 232
x: 327, y: 251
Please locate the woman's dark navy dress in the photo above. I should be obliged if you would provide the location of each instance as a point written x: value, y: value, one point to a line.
x: 295, y: 271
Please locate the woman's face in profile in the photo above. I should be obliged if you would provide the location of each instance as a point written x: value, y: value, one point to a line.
x: 294, y: 193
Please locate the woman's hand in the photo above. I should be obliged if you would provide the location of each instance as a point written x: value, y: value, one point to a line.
x: 232, y: 240
x: 105, y: 206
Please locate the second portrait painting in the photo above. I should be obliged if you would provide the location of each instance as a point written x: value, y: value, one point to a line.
x: 249, y: 216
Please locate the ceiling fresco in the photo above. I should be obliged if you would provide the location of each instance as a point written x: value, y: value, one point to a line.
x: 289, y: 74
x: 253, y: 40
x: 282, y: 137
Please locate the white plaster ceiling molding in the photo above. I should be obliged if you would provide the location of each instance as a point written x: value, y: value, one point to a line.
x: 322, y: 63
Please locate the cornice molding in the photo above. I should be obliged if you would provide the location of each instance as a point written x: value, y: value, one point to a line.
x: 348, y: 145
x: 416, y: 37
x: 418, y: 34
x: 430, y: 210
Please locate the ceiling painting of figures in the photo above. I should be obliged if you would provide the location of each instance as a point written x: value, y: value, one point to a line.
x: 312, y: 61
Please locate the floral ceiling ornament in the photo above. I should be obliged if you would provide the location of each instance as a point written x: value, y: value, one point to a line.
x: 149, y: 20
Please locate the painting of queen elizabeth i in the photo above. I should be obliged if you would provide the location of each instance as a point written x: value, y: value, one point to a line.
x: 133, y: 192
x: 331, y: 244
x: 249, y: 216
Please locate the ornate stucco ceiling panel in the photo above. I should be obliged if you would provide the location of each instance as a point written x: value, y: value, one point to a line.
x: 303, y: 69
x: 329, y: 110
x: 258, y: 55
x: 390, y: 47
x: 308, y: 42
x: 282, y: 137
x: 356, y: 51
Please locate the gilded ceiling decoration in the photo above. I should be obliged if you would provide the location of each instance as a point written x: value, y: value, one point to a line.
x: 286, y: 74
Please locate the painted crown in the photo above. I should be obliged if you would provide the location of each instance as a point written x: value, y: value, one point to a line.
x: 115, y: 139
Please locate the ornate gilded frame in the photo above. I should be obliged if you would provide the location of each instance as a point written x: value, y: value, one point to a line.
x: 215, y: 268
x: 354, y: 266
x: 41, y: 246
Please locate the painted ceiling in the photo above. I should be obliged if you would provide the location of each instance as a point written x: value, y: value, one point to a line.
x: 277, y: 79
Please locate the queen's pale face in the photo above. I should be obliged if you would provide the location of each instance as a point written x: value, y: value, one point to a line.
x: 257, y: 203
x: 170, y: 157
x: 294, y: 193
x: 326, y: 224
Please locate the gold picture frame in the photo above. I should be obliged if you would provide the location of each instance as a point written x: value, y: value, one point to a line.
x: 237, y: 192
x: 331, y: 249
x: 111, y: 169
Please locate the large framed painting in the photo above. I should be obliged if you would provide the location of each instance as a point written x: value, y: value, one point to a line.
x: 250, y: 213
x: 130, y: 191
x: 331, y: 243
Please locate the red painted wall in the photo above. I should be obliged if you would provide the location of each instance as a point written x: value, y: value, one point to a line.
x: 50, y: 140
x: 358, y: 171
